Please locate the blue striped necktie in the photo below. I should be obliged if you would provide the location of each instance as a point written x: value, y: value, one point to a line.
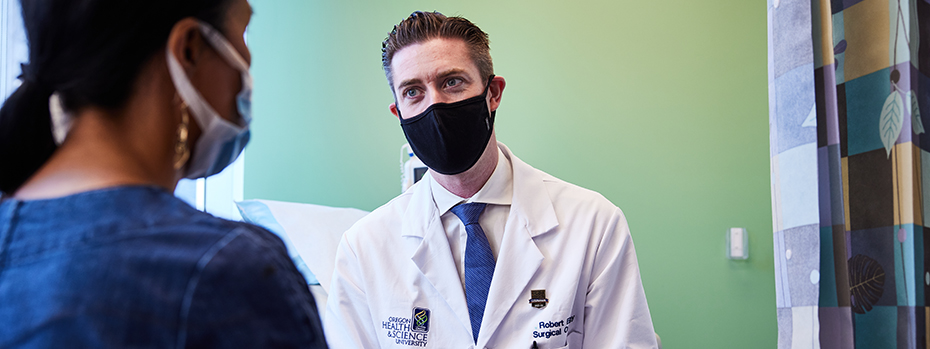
x: 479, y: 263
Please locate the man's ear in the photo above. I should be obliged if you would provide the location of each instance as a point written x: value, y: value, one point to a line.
x: 495, y: 91
x: 393, y: 108
x: 186, y: 43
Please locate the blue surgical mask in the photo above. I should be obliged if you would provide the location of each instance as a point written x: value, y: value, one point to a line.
x: 221, y: 141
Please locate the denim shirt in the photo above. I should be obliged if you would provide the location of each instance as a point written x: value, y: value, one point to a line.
x: 136, y: 267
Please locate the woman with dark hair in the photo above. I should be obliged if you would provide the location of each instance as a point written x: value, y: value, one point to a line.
x: 119, y: 101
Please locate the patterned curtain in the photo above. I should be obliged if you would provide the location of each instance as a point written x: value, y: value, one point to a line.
x: 847, y: 86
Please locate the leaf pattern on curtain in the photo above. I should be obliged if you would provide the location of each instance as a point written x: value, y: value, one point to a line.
x: 867, y: 281
x: 891, y: 120
x: 916, y: 123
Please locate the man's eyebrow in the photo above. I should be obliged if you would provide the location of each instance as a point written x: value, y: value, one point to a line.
x: 409, y: 82
x: 452, y: 71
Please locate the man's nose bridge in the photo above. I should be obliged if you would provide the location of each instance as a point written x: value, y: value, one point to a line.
x: 434, y: 96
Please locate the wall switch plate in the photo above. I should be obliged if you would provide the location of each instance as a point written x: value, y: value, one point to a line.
x: 737, y: 243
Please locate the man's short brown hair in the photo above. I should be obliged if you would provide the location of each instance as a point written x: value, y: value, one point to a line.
x: 424, y: 26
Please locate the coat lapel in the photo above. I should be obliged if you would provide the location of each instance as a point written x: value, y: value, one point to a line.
x: 434, y: 256
x: 531, y: 214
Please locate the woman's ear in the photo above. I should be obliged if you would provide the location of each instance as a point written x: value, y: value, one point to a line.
x: 186, y: 43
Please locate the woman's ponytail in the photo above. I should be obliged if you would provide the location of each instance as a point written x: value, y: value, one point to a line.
x: 26, y: 141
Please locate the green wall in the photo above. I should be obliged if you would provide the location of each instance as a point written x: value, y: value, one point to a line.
x: 661, y: 106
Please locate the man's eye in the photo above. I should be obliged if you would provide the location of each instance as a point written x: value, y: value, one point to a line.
x: 411, y: 93
x: 453, y: 82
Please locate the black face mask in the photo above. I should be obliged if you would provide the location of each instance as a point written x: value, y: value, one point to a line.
x: 450, y: 137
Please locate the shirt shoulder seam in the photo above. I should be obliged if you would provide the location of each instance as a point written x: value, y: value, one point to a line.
x: 195, y: 279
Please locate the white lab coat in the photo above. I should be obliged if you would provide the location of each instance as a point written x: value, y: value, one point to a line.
x: 571, y: 242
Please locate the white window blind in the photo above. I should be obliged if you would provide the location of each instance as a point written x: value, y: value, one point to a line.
x: 13, y: 50
x: 216, y: 194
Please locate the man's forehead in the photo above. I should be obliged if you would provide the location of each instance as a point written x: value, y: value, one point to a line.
x: 431, y: 60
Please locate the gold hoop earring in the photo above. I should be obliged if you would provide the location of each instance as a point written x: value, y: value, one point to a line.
x: 181, y: 151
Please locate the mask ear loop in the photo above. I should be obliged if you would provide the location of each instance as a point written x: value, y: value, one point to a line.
x: 225, y: 49
x: 219, y: 42
x: 487, y: 89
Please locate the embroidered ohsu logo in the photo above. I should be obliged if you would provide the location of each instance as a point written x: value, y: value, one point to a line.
x: 538, y: 299
x: 420, y: 320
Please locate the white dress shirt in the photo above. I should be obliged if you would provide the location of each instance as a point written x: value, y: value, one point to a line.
x: 497, y: 193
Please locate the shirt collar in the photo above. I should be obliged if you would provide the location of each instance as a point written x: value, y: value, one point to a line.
x: 498, y: 190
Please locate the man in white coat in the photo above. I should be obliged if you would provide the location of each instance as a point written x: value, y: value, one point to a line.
x: 485, y: 251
